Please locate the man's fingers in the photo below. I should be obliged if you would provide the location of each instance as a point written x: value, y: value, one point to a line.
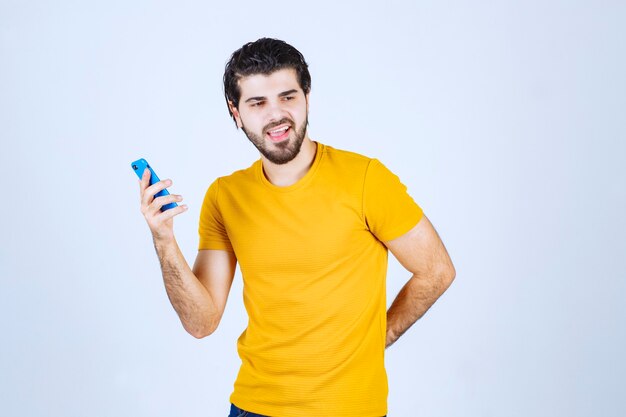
x: 155, y: 206
x: 148, y: 194
x: 158, y: 221
x: 168, y: 214
x: 143, y: 183
x: 145, y: 179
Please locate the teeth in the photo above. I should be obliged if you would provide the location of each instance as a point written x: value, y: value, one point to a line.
x: 273, y: 132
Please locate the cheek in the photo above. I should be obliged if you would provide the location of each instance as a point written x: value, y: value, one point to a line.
x: 247, y: 119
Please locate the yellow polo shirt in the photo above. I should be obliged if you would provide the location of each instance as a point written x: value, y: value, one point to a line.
x: 314, y: 270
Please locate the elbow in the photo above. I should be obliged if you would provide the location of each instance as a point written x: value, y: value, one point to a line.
x: 199, y: 334
x: 201, y: 331
x: 449, y: 275
x: 445, y: 277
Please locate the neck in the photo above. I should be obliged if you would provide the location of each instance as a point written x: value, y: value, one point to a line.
x: 289, y: 173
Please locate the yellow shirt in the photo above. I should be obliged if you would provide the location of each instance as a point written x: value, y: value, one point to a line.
x: 314, y: 270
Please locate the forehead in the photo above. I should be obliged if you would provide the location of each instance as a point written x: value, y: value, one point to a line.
x: 268, y: 85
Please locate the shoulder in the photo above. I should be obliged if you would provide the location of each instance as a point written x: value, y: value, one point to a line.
x: 226, y: 184
x: 357, y: 165
x: 238, y: 177
x: 345, y: 154
x: 346, y: 160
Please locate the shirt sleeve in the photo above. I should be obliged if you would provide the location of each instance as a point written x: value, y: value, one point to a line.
x: 211, y: 226
x: 388, y: 209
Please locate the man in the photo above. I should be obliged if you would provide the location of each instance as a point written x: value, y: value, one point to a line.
x: 310, y: 226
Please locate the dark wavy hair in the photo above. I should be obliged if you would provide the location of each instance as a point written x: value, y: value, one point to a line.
x: 263, y: 56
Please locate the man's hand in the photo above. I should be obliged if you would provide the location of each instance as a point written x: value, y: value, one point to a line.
x: 161, y: 224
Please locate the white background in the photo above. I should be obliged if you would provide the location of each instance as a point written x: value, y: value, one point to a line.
x: 506, y: 120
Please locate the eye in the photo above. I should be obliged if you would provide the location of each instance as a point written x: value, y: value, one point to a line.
x: 257, y: 104
x: 287, y: 98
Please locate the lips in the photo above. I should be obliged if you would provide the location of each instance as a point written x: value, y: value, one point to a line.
x: 279, y: 133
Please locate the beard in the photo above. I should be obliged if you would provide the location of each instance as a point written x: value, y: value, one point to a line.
x: 281, y: 152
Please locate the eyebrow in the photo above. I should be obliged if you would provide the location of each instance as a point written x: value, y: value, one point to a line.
x: 284, y: 93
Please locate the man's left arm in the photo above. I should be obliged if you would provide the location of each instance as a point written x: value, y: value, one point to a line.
x: 422, y: 253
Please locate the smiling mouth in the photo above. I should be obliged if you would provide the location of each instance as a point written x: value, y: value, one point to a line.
x: 280, y: 133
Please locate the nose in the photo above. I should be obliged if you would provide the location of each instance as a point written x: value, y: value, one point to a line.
x: 275, y: 111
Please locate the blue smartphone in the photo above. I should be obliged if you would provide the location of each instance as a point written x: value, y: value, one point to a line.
x: 139, y: 166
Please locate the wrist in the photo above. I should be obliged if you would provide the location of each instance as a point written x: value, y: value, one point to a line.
x: 163, y: 242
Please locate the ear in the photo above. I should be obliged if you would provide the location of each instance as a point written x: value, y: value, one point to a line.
x: 235, y: 112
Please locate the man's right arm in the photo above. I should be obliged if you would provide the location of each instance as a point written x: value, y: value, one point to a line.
x: 198, y: 296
